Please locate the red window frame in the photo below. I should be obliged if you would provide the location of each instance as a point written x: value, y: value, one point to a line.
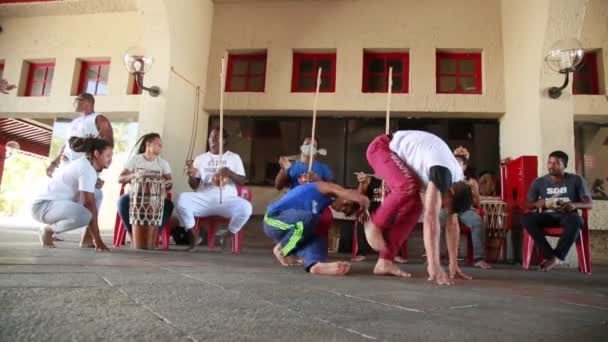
x: 590, y: 59
x: 404, y: 74
x: 232, y: 58
x: 83, y: 81
x: 1, y: 70
x: 476, y: 57
x: 45, y: 81
x: 296, y: 74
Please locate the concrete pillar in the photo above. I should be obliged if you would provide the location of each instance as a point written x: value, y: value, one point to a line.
x: 523, y: 29
x: 176, y: 34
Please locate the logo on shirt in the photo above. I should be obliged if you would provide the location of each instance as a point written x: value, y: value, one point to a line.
x: 315, y: 207
x: 557, y: 191
x: 213, y: 164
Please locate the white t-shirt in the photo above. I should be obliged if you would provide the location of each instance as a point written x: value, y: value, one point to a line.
x: 139, y: 162
x: 207, y: 165
x: 68, y: 181
x: 82, y: 126
x: 423, y: 150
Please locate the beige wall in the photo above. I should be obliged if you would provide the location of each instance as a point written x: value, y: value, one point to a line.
x: 594, y: 35
x: 66, y: 38
x: 177, y: 34
x: 349, y: 27
x: 523, y: 30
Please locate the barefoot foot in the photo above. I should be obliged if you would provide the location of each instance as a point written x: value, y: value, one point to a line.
x: 288, y: 261
x: 455, y: 272
x: 374, y: 237
x: 482, y: 264
x: 358, y: 258
x: 387, y: 267
x: 192, y: 249
x: 87, y: 240
x: 46, y: 237
x: 550, y: 264
x: 337, y: 268
x: 400, y: 260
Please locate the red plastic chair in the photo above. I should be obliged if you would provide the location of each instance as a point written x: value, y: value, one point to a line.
x: 213, y: 222
x: 582, y: 245
x: 120, y: 231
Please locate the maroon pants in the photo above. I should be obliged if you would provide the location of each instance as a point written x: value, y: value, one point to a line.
x: 399, y: 212
x: 325, y: 223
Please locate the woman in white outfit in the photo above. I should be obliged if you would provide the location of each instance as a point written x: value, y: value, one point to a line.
x: 69, y: 200
x: 146, y: 161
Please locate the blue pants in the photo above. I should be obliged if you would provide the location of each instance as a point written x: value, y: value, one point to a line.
x: 123, y: 211
x: 295, y: 230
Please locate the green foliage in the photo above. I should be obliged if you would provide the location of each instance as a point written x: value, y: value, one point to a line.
x: 24, y: 176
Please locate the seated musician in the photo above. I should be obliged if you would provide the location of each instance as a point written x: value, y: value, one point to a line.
x: 556, y: 198
x: 204, y: 177
x: 471, y: 217
x: 293, y: 174
x: 147, y: 161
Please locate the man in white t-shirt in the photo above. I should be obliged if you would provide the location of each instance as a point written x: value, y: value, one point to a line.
x: 411, y: 162
x: 87, y: 124
x: 204, y: 176
x: 69, y: 200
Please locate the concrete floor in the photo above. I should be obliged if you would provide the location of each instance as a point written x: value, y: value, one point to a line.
x: 72, y: 294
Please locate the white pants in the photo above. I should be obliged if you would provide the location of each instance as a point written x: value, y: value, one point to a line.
x: 62, y: 215
x: 194, y: 204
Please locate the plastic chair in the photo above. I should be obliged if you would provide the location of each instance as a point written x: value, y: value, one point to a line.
x: 212, y: 222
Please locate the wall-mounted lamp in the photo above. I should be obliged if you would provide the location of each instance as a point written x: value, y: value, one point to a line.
x: 564, y: 57
x: 137, y: 63
x: 11, y: 147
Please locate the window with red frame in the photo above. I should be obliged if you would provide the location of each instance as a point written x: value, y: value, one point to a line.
x: 458, y: 73
x: 305, y: 69
x: 1, y: 70
x: 246, y: 72
x: 376, y: 69
x: 94, y: 77
x: 586, y: 79
x: 40, y: 79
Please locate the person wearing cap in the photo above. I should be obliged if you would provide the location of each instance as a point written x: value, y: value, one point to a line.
x: 88, y: 124
x: 470, y: 217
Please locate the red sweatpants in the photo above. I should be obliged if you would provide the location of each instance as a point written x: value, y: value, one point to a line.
x: 403, y: 201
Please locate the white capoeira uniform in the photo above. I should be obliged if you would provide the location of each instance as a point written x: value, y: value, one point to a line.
x: 82, y: 126
x: 206, y: 200
x: 60, y: 205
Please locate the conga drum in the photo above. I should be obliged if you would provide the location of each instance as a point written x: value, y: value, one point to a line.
x: 146, y: 204
x: 495, y: 221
